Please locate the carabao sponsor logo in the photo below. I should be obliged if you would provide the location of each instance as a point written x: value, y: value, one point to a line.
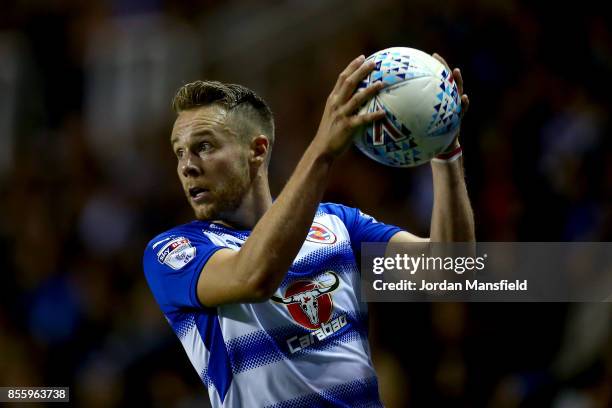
x: 310, y: 302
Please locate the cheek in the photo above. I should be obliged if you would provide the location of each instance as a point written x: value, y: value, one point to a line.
x: 238, y: 167
x: 179, y: 165
x: 179, y: 172
x: 242, y: 171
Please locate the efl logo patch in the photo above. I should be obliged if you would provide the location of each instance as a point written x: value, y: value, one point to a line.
x: 320, y: 234
x: 176, y: 253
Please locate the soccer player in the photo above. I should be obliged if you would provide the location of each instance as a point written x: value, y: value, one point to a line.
x: 262, y: 292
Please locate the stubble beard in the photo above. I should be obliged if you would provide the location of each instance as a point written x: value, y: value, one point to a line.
x: 226, y: 199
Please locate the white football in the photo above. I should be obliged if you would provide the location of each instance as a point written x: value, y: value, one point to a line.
x: 423, y: 108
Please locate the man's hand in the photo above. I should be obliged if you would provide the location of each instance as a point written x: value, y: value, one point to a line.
x: 254, y: 273
x: 452, y: 218
x: 339, y: 119
x: 465, y: 100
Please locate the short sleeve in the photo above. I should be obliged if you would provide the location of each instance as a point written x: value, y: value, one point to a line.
x: 172, y: 265
x: 361, y: 227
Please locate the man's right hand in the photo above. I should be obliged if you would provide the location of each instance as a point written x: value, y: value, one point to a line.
x: 340, y: 118
x: 254, y: 273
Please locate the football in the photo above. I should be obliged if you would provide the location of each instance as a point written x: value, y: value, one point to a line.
x: 422, y: 105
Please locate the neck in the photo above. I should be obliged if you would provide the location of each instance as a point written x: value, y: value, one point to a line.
x: 255, y: 204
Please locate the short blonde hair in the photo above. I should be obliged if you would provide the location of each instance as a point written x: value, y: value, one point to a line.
x: 250, y: 112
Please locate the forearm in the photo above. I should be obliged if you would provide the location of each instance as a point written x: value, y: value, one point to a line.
x: 280, y: 233
x: 452, y: 218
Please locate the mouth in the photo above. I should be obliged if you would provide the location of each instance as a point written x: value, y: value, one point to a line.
x: 198, y: 194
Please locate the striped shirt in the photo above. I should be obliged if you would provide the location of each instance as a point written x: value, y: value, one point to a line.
x: 306, y: 346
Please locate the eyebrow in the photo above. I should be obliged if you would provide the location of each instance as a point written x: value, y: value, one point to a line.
x: 197, y: 133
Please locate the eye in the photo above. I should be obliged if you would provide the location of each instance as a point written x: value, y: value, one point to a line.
x: 204, y: 147
x: 179, y: 153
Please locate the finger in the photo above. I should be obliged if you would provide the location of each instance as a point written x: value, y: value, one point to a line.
x: 459, y: 79
x: 456, y: 73
x: 350, y: 84
x: 364, y: 118
x: 359, y: 98
x: 442, y: 60
x: 356, y: 63
x: 465, y: 104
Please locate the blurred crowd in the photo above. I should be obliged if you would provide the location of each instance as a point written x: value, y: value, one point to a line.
x: 87, y: 177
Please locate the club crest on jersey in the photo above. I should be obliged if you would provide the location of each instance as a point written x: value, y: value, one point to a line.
x: 310, y: 302
x: 320, y: 234
x: 177, y: 253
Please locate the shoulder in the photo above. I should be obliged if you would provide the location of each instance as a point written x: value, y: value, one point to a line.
x: 340, y: 210
x: 178, y: 240
x: 172, y: 262
x: 344, y: 212
x: 362, y: 227
x: 191, y: 231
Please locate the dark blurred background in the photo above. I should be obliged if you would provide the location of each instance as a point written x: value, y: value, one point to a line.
x: 87, y: 178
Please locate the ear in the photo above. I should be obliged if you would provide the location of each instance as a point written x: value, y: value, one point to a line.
x: 258, y: 150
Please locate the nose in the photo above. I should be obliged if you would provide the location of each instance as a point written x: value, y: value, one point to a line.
x: 190, y: 166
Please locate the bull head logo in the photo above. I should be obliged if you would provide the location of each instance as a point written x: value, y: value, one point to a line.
x: 312, y: 299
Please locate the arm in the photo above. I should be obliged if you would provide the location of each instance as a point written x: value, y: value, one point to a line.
x: 254, y: 273
x: 452, y: 218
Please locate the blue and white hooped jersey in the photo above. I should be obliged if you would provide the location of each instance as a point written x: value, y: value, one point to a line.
x: 305, y: 347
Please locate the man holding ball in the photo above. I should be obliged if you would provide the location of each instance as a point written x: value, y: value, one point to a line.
x: 261, y: 293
